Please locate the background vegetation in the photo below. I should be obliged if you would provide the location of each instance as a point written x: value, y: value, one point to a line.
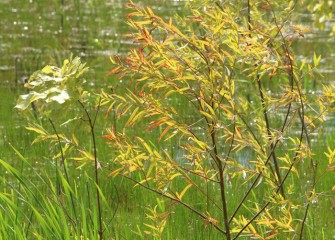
x: 53, y: 187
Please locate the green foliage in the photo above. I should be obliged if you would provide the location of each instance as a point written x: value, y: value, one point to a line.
x: 61, y: 86
x: 221, y: 93
x: 214, y: 117
x: 323, y: 11
x: 38, y: 211
x: 55, y: 90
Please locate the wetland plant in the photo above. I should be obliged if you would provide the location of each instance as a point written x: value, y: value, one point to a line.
x: 215, y: 117
x: 211, y: 115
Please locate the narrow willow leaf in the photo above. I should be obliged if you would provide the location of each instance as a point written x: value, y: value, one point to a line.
x: 37, y: 130
x: 115, y: 172
x: 157, y: 123
x: 206, y: 114
x: 180, y: 196
x: 132, y: 117
x: 164, y: 132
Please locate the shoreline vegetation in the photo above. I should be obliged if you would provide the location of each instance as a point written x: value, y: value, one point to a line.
x: 205, y: 126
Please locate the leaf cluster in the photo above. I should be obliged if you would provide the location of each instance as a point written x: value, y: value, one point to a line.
x: 54, y: 88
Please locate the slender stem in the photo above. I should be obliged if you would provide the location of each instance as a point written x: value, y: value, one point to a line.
x: 222, y: 187
x: 251, y: 220
x: 303, y: 221
x: 203, y: 216
x: 62, y: 156
x: 267, y: 123
x: 301, y: 114
x: 57, y: 176
x: 220, y: 167
x: 275, y: 162
x: 96, y: 164
x: 249, y: 17
x: 65, y: 170
x: 272, y: 148
x: 268, y: 203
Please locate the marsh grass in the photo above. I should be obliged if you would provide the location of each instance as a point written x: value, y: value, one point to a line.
x: 31, y: 207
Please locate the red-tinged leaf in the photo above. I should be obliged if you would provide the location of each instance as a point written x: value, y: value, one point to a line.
x: 238, y: 132
x: 131, y: 5
x: 226, y: 110
x: 164, y: 132
x: 156, y: 124
x: 331, y: 169
x: 108, y: 137
x: 114, y: 71
x: 194, y: 19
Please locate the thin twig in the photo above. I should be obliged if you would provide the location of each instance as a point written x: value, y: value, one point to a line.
x: 267, y: 124
x: 96, y: 163
x: 203, y: 216
x: 65, y: 170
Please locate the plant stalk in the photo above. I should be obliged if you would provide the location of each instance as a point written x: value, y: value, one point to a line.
x: 272, y: 146
x: 222, y: 187
x: 65, y: 170
x: 96, y: 165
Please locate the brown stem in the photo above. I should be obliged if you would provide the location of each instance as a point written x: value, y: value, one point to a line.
x: 222, y: 187
x: 272, y: 147
x: 96, y: 164
x: 278, y: 189
x: 203, y: 216
x: 220, y: 167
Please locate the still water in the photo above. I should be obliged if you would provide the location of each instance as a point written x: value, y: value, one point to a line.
x: 33, y: 32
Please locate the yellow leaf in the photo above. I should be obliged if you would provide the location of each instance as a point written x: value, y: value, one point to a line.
x: 157, y: 154
x: 141, y: 182
x: 151, y: 167
x: 184, y: 191
x: 115, y: 172
x: 36, y: 130
x: 75, y: 139
x: 207, y: 115
x: 218, y: 28
x: 202, y: 101
x: 150, y: 226
x: 87, y: 155
x: 164, y: 132
x: 47, y: 69
x: 174, y: 175
x: 132, y: 116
